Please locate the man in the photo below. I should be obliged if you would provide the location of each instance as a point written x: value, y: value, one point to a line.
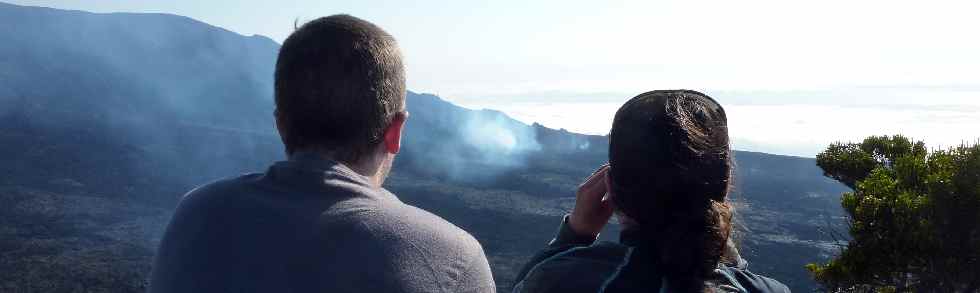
x: 320, y: 221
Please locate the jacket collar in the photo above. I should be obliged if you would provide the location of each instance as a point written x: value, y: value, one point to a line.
x: 309, y: 170
x: 311, y: 161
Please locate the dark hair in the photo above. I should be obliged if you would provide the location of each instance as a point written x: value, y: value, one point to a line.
x: 671, y: 171
x: 339, y: 82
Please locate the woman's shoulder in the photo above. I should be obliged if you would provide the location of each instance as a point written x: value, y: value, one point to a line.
x: 593, y: 268
x: 579, y: 269
x: 600, y: 252
x: 743, y: 280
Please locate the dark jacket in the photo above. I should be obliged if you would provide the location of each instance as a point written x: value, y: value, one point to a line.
x: 572, y: 263
x: 312, y: 225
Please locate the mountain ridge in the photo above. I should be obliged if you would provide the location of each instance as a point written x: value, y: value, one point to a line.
x: 6, y: 6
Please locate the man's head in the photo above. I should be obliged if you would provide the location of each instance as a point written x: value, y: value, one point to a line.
x: 340, y: 90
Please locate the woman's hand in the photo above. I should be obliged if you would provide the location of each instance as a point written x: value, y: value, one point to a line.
x: 592, y: 208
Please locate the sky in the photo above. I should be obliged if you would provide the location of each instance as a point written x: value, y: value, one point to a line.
x: 794, y: 76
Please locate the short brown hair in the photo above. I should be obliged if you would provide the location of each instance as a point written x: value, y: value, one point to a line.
x: 339, y: 81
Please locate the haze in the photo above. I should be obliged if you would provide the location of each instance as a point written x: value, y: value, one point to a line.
x: 794, y: 76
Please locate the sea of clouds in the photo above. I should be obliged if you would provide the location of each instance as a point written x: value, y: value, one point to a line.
x: 789, y: 123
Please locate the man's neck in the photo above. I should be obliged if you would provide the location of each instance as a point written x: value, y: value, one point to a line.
x: 370, y: 171
x: 369, y: 167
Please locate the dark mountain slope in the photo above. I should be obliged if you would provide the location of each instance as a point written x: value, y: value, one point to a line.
x: 106, y: 119
x: 141, y: 67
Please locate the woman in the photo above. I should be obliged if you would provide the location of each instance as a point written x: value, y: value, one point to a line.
x: 669, y: 174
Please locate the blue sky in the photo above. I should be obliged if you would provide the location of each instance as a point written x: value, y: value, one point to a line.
x: 794, y: 75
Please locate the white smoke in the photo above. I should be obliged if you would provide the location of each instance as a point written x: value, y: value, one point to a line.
x: 498, y: 137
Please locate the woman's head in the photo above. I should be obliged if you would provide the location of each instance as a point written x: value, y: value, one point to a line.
x: 671, y: 171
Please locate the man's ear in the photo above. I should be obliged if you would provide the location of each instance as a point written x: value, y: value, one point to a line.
x: 393, y: 134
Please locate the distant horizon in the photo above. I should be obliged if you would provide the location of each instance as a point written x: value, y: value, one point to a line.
x: 801, y: 130
x: 792, y: 80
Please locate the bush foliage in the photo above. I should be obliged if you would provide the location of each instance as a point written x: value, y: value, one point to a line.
x: 914, y: 217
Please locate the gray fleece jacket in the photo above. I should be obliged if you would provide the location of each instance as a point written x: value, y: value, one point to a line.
x: 312, y: 225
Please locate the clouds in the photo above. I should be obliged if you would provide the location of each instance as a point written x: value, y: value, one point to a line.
x: 792, y: 123
x: 805, y: 130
